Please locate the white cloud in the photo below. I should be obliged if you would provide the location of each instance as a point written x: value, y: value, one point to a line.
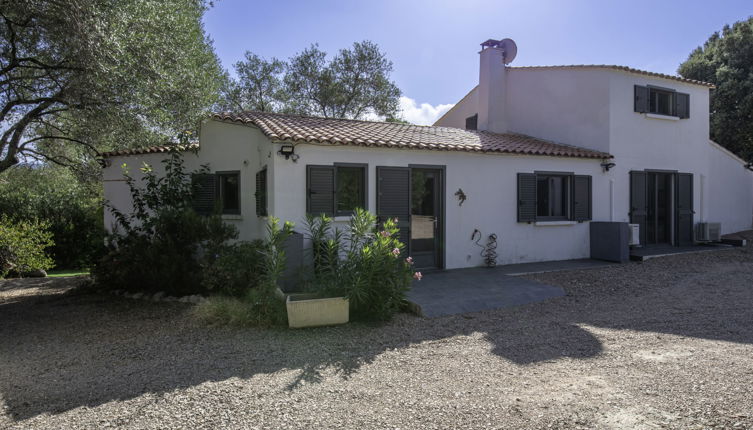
x: 425, y: 114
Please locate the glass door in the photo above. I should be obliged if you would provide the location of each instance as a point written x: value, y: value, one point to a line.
x: 426, y: 207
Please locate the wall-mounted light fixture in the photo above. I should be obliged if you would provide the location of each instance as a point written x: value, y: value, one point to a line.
x: 606, y: 165
x: 288, y: 151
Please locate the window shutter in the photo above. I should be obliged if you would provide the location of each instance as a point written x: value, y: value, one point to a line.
x: 526, y: 197
x: 394, y: 200
x: 320, y: 190
x: 471, y: 123
x: 684, y: 211
x: 638, y: 202
x: 205, y: 193
x: 641, y: 99
x: 682, y: 105
x: 581, y: 198
x: 261, y: 192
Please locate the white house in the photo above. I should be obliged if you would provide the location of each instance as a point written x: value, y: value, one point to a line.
x: 531, y: 154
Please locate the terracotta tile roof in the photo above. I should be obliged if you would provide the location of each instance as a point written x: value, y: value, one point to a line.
x: 301, y: 129
x: 621, y: 68
x: 150, y: 150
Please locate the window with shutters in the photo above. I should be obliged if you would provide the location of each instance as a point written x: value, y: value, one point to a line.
x: 553, y: 196
x: 261, y: 192
x: 661, y: 101
x: 229, y: 192
x: 336, y: 190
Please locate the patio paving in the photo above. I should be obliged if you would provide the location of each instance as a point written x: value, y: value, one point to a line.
x: 655, y: 251
x: 459, y: 291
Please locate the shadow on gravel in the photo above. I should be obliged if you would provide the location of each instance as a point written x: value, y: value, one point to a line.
x: 59, y: 352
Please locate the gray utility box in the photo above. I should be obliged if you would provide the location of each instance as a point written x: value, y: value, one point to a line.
x: 610, y: 241
x: 291, y: 278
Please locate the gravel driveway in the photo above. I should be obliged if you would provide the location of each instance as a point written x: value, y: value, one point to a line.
x: 666, y: 343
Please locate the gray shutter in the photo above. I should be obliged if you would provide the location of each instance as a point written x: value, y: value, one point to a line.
x: 638, y: 202
x: 526, y: 197
x: 581, y: 198
x: 682, y: 105
x: 641, y: 99
x: 205, y: 193
x: 684, y: 209
x: 261, y: 193
x: 393, y: 199
x: 320, y: 189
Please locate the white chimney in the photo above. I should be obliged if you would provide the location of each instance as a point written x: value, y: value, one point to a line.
x: 492, y: 84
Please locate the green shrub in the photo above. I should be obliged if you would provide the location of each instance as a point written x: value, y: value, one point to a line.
x: 364, y: 264
x: 236, y: 269
x: 22, y: 246
x: 259, y: 306
x: 163, y: 244
x: 71, y: 207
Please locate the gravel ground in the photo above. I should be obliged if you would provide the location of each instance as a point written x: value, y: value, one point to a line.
x: 663, y: 344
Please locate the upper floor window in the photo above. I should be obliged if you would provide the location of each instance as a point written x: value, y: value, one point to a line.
x: 471, y: 123
x: 661, y: 101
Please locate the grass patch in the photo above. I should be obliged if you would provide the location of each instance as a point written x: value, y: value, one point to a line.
x: 66, y: 273
x: 232, y: 311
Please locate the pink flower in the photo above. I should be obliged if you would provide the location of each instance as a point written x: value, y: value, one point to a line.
x: 385, y: 233
x: 417, y: 276
x: 409, y: 260
x: 396, y: 252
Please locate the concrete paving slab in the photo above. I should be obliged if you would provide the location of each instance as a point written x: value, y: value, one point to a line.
x: 472, y: 290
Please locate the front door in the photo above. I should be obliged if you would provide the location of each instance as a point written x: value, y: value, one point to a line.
x: 413, y: 195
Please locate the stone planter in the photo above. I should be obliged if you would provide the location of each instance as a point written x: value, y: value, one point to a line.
x: 305, y: 310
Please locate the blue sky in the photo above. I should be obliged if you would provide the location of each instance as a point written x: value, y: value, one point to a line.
x: 434, y: 44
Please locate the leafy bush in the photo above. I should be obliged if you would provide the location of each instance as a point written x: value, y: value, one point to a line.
x: 260, y: 306
x: 164, y: 244
x: 72, y: 209
x: 236, y: 268
x: 363, y: 264
x: 22, y: 246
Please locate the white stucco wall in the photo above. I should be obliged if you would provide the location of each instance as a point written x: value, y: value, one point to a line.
x: 489, y: 181
x: 224, y: 147
x: 569, y: 106
x: 466, y: 107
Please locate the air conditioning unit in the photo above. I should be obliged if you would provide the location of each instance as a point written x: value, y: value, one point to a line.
x: 635, y: 234
x: 708, y: 232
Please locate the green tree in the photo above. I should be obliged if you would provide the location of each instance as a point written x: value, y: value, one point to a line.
x: 81, y: 76
x: 70, y: 208
x: 352, y: 84
x: 258, y: 87
x: 726, y: 60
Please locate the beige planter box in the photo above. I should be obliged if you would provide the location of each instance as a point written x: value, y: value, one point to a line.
x: 305, y: 311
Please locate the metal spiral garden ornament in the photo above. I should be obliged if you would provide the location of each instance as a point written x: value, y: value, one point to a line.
x: 489, y: 252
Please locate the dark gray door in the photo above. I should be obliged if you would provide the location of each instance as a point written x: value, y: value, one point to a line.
x: 638, y: 202
x: 426, y: 211
x: 684, y: 209
x: 393, y: 199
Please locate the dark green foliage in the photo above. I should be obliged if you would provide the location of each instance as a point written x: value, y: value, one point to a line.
x: 353, y: 84
x: 363, y: 264
x: 72, y: 209
x: 163, y: 244
x: 259, y: 306
x: 236, y: 269
x: 22, y: 246
x: 726, y: 60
